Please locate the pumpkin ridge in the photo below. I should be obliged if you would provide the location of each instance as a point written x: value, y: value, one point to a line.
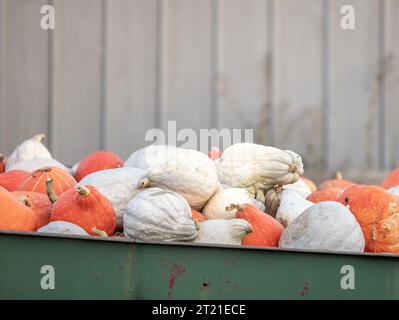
x: 57, y: 180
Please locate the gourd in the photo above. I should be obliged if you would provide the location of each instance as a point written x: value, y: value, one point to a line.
x: 187, y: 172
x: 273, y: 200
x: 331, y: 194
x: 311, y: 185
x: 38, y: 202
x: 86, y: 207
x: 28, y: 150
x: 338, y: 182
x: 36, y: 164
x: 11, y: 180
x: 197, y: 216
x: 291, y: 206
x: 394, y: 191
x: 214, y: 154
x: 326, y: 226
x: 266, y: 231
x: 118, y: 186
x: 245, y: 165
x: 96, y: 161
x: 391, y: 180
x: 63, y: 227
x: 377, y: 212
x: 223, y: 232
x: 216, y: 206
x: 159, y: 215
x: 36, y: 182
x: 15, y: 215
x: 3, y: 161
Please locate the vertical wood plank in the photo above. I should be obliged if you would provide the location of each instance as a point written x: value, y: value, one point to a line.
x: 354, y: 88
x: 131, y: 85
x: 23, y: 72
x: 244, y: 61
x: 186, y: 66
x: 298, y: 81
x: 77, y: 73
x: 391, y: 83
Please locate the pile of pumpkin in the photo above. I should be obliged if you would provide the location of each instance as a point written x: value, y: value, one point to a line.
x: 248, y: 195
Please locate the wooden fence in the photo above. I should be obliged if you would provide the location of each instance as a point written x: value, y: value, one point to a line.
x: 112, y: 69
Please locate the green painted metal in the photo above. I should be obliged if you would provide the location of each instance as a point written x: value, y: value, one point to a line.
x: 100, y: 268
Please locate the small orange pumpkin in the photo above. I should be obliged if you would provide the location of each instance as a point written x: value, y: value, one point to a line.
x: 331, y: 194
x: 391, y: 180
x: 15, y: 215
x: 11, y: 180
x: 87, y: 208
x: 36, y: 182
x: 266, y: 231
x: 3, y: 161
x: 97, y: 161
x: 197, y: 216
x: 38, y: 202
x: 338, y: 182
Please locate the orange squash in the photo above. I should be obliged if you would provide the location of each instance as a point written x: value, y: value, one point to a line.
x: 15, y: 215
x: 87, y: 208
x: 36, y: 182
x: 377, y: 212
x: 266, y: 231
x: 3, y: 161
x: 214, y: 153
x: 197, y: 216
x: 38, y: 202
x: 391, y: 180
x: 97, y: 161
x: 11, y: 180
x: 331, y: 194
x: 338, y: 182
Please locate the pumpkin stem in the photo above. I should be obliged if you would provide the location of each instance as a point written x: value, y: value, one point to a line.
x: 39, y: 137
x: 145, y: 183
x: 50, y: 191
x: 338, y: 176
x: 101, y: 233
x: 292, y: 168
x: 83, y: 191
x: 2, y: 157
x: 233, y: 206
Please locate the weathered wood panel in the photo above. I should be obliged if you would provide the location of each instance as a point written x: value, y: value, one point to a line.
x: 353, y: 87
x: 298, y: 79
x: 24, y: 79
x: 77, y: 74
x: 131, y: 70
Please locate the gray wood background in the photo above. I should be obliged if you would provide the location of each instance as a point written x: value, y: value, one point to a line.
x: 112, y: 69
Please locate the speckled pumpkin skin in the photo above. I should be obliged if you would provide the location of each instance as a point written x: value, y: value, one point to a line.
x: 377, y: 212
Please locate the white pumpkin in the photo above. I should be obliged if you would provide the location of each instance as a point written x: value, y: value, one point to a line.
x: 221, y: 231
x: 119, y: 186
x: 159, y: 215
x: 300, y: 187
x: 394, y: 191
x: 188, y: 172
x: 28, y: 150
x: 62, y: 227
x: 36, y: 164
x: 292, y: 204
x: 245, y: 165
x: 326, y: 226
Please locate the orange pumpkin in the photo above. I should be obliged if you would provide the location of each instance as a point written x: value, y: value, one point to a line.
x: 87, y: 208
x: 36, y: 182
x: 214, y: 153
x: 11, y: 180
x: 377, y: 212
x: 38, y: 202
x: 266, y: 231
x: 197, y: 216
x: 3, y: 161
x: 338, y: 182
x: 331, y: 194
x: 311, y: 185
x: 391, y: 180
x: 97, y: 161
x: 15, y: 215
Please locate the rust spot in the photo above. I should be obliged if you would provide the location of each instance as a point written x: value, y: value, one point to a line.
x: 175, y: 271
x: 304, y: 289
x: 205, y: 286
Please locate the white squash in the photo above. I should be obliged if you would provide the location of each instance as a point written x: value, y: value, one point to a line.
x: 245, y: 165
x: 292, y: 204
x: 300, y: 187
x: 119, y: 186
x: 326, y: 226
x: 188, y: 172
x: 394, y: 191
x: 28, y: 150
x: 62, y: 227
x: 159, y: 215
x: 221, y: 231
x: 36, y: 164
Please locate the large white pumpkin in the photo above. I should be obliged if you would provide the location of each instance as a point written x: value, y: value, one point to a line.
x: 245, y: 165
x: 159, y: 215
x: 188, y: 172
x: 28, y: 150
x: 63, y: 227
x: 292, y: 204
x: 119, y: 186
x: 326, y: 226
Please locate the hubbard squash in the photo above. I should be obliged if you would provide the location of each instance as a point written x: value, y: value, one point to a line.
x: 97, y: 161
x: 63, y: 227
x: 11, y: 180
x: 391, y: 180
x: 331, y: 194
x: 197, y: 216
x: 3, y: 161
x: 266, y: 231
x: 87, y: 208
x: 338, y: 182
